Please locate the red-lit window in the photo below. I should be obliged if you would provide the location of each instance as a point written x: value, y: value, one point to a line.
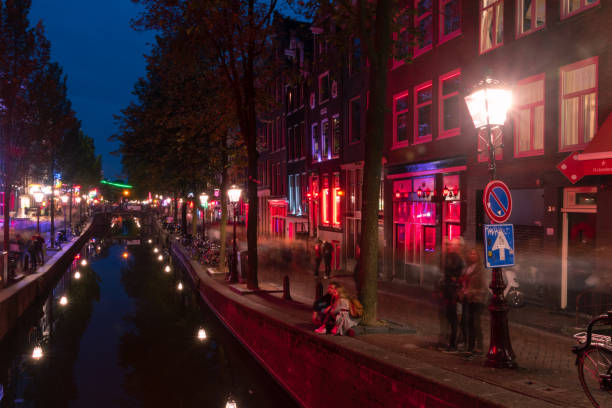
x: 424, y: 26
x: 429, y: 235
x: 325, y: 197
x: 531, y: 16
x: 449, y: 104
x: 450, y: 19
x: 491, y: 24
x: 337, y: 200
x: 571, y: 7
x: 401, y: 103
x: 529, y: 117
x: 423, y: 96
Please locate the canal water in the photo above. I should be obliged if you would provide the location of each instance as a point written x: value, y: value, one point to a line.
x: 128, y: 337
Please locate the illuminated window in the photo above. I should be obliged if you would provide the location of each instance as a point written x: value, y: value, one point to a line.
x: 450, y: 19
x: 491, y: 24
x: 531, y: 16
x: 336, y: 135
x: 401, y: 103
x: 423, y: 112
x: 337, y: 200
x: 424, y: 26
x: 316, y: 147
x: 325, y: 197
x: 529, y: 117
x: 449, y: 104
x: 325, y: 140
x: 571, y: 7
x: 578, y: 108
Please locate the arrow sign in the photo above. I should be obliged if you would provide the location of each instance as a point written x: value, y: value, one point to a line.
x: 575, y: 169
x: 499, y: 245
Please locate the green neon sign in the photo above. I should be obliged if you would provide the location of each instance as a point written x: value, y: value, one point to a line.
x: 110, y: 183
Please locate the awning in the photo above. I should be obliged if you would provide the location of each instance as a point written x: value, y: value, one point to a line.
x: 601, y: 145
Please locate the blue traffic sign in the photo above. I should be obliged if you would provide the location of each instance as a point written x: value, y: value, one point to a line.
x: 499, y: 245
x: 497, y: 201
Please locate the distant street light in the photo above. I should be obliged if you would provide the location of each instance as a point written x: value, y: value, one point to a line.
x: 37, y: 353
x: 488, y: 104
x: 234, y: 196
x: 204, y: 202
x: 64, y: 199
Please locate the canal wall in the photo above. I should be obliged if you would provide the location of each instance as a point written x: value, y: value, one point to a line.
x: 17, y: 298
x: 325, y: 371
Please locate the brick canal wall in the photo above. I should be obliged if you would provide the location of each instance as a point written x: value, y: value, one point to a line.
x: 19, y: 297
x: 319, y: 371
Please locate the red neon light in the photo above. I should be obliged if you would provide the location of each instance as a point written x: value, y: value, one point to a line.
x: 336, y: 205
x: 398, y: 194
x: 325, y: 212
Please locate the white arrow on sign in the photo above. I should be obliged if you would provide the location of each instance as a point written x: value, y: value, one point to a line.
x: 501, y: 244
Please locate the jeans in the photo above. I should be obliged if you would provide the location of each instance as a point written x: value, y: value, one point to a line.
x: 451, y: 317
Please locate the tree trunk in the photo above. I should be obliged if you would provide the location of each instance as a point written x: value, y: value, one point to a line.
x: 375, y: 128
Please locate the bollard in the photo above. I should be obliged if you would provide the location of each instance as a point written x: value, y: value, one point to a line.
x: 286, y: 294
x: 318, y: 290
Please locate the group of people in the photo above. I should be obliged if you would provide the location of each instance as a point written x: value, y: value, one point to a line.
x: 464, y: 282
x: 33, y: 247
x: 335, y: 312
x: 323, y: 251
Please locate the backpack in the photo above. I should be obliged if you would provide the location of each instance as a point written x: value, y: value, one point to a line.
x: 355, y: 307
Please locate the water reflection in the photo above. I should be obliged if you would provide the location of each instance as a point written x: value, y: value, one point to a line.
x: 126, y: 337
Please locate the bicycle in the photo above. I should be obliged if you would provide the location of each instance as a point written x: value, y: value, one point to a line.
x: 594, y: 361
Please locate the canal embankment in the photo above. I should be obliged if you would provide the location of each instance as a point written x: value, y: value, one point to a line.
x: 326, y: 371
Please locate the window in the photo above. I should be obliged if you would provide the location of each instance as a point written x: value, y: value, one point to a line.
x: 402, y: 39
x: 401, y: 104
x: 325, y: 210
x: 323, y: 88
x: 529, y: 117
x: 571, y: 7
x: 424, y: 26
x: 422, y: 112
x: 491, y: 24
x: 531, y: 16
x: 450, y: 19
x: 449, y: 104
x: 297, y: 140
x: 336, y: 135
x: 269, y: 135
x: 316, y: 148
x: 355, y: 56
x: 337, y: 200
x: 354, y: 181
x: 278, y: 134
x: 578, y: 110
x: 325, y: 140
x: 354, y: 120
x: 291, y: 196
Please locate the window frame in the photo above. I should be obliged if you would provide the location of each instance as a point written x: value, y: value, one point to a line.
x: 325, y: 140
x: 324, y: 74
x: 442, y: 38
x: 427, y: 138
x: 416, y: 51
x: 313, y: 137
x: 518, y: 33
x: 580, y: 64
x: 395, y: 144
x: 335, y: 118
x: 443, y: 134
x: 480, y: 10
x: 350, y: 133
x: 531, y: 107
x: 583, y: 8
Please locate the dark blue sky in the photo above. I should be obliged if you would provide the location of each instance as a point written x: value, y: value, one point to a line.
x: 102, y: 57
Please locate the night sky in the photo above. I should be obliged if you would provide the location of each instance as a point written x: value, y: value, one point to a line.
x: 102, y: 57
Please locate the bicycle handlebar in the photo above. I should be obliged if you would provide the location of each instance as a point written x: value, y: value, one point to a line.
x: 607, y: 316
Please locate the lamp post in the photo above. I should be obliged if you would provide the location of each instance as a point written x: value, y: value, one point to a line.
x: 234, y: 196
x: 204, y: 202
x: 64, y: 199
x: 38, y: 197
x: 78, y: 201
x: 488, y: 104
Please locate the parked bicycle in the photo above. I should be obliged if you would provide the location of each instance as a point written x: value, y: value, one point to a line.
x: 594, y: 360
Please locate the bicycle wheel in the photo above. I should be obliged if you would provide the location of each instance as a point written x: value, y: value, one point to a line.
x: 594, y: 370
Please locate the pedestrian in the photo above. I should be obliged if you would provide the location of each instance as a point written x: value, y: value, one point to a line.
x: 318, y: 256
x: 474, y: 294
x: 343, y: 319
x: 322, y: 315
x: 32, y: 250
x: 453, y: 266
x: 328, y: 250
x: 40, y: 247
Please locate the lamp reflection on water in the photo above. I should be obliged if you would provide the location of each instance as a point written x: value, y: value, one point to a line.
x: 202, y: 334
x: 231, y: 403
x: 84, y: 262
x: 167, y: 269
x: 63, y: 301
x: 37, y: 353
x: 77, y: 275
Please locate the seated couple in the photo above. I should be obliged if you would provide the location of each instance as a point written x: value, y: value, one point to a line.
x: 336, y: 312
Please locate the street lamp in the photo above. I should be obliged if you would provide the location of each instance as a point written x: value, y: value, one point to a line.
x: 204, y: 202
x: 488, y: 104
x: 64, y: 199
x: 234, y: 196
x: 39, y: 196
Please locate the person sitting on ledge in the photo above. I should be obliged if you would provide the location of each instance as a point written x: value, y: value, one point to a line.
x: 323, y: 308
x: 343, y: 318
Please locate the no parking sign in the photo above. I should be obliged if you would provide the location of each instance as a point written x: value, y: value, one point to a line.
x: 497, y: 201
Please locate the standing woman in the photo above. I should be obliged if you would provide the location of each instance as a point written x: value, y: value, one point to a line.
x: 475, y: 295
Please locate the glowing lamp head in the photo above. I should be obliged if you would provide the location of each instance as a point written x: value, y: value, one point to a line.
x: 160, y: 258
x: 63, y: 301
x: 398, y: 194
x: 77, y: 275
x: 234, y: 194
x: 180, y: 286
x: 84, y: 262
x: 231, y: 404
x: 39, y: 197
x: 155, y: 250
x: 204, y: 200
x: 37, y: 353
x: 202, y: 334
x: 150, y: 241
x: 125, y: 255
x: 167, y: 269
x: 489, y: 103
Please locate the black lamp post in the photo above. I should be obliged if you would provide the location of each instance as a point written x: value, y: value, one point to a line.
x: 488, y: 104
x: 38, y: 197
x: 234, y: 196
